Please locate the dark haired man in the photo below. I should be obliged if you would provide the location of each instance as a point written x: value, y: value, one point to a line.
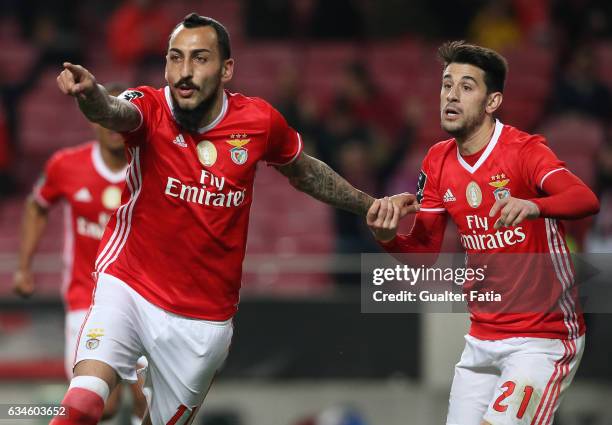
x: 169, y: 266
x: 506, y: 191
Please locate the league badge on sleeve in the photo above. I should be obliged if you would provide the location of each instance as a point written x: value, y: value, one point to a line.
x: 421, y: 186
x: 499, y: 182
x: 238, y: 153
x: 130, y: 95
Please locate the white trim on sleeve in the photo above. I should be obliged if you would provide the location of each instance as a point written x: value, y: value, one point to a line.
x: 541, y: 185
x: 299, y: 151
x: 141, y: 119
x: 432, y: 210
x: 39, y: 199
x: 137, y: 108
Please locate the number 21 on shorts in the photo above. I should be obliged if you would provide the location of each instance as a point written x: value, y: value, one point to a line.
x: 509, y: 387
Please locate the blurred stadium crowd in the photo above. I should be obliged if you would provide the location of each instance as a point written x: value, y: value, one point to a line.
x: 358, y: 78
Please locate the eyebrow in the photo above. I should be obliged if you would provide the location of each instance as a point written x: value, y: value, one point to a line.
x: 465, y: 77
x: 193, y: 52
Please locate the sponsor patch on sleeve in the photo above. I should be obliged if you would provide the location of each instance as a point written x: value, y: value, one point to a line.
x: 131, y: 95
x: 421, y: 186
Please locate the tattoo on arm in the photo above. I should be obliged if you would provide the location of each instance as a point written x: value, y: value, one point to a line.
x: 109, y: 111
x: 317, y: 179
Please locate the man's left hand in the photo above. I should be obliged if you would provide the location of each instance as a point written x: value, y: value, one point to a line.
x: 513, y: 211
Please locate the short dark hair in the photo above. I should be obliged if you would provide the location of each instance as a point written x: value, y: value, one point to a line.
x: 493, y: 64
x: 193, y: 20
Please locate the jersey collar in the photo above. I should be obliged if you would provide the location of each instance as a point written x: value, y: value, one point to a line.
x: 102, y: 168
x: 214, y: 122
x: 472, y: 169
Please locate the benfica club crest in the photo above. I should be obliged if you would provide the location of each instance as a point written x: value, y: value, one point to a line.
x: 499, y: 182
x: 238, y: 153
x: 93, y: 340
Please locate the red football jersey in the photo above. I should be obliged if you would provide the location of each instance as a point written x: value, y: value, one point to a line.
x: 179, y: 238
x: 517, y: 164
x: 92, y: 193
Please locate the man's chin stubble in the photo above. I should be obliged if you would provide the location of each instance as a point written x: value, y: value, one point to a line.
x: 191, y: 119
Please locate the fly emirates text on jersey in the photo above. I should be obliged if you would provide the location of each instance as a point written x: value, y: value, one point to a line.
x: 209, y: 193
x: 481, y: 240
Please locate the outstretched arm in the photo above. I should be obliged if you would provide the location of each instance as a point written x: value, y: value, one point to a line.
x: 317, y: 179
x: 95, y: 102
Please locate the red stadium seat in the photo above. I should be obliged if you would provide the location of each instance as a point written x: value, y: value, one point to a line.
x: 573, y: 134
x: 16, y: 58
x: 258, y: 68
x: 53, y: 123
x: 575, y: 140
x: 538, y: 61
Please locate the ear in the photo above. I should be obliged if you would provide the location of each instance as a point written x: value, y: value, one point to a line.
x: 227, y: 70
x: 494, y: 101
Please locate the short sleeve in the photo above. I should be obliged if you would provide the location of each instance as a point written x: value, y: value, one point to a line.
x: 539, y: 162
x: 48, y: 188
x: 284, y: 143
x: 145, y: 101
x: 427, y: 189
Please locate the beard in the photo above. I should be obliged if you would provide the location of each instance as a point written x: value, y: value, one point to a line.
x: 118, y: 151
x: 191, y: 119
x: 470, y: 124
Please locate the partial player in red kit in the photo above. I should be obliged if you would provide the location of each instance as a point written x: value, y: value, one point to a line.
x: 169, y: 265
x: 89, y: 180
x: 506, y: 191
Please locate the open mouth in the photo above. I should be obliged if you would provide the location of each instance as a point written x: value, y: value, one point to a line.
x: 451, y: 112
x: 186, y: 90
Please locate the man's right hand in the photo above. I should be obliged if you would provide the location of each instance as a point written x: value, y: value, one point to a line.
x: 383, y: 218
x: 23, y: 283
x: 407, y: 203
x: 76, y: 81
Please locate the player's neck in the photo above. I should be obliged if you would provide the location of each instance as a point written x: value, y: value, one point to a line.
x: 478, y: 139
x: 214, y: 111
x: 114, y: 160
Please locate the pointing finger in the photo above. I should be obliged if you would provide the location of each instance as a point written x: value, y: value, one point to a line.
x: 499, y: 204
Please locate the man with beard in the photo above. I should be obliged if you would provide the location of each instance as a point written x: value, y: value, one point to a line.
x: 89, y: 178
x: 506, y: 191
x: 170, y: 263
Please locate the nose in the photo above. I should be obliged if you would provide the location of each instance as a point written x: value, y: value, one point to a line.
x: 186, y: 69
x: 452, y: 95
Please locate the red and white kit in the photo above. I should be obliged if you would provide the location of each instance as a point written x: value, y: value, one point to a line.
x: 495, y: 378
x: 92, y: 192
x: 517, y: 164
x: 179, y: 238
